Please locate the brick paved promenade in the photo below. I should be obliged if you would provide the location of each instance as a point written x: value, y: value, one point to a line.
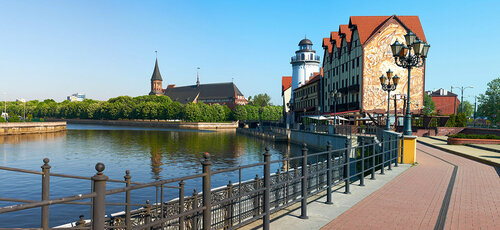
x: 417, y: 199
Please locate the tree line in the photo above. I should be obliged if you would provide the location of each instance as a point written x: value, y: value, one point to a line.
x: 141, y: 107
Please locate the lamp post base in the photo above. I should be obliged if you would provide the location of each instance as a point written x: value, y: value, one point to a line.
x: 407, y: 125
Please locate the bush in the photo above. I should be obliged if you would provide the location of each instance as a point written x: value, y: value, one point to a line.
x: 14, y: 118
x: 2, y: 119
x: 474, y: 136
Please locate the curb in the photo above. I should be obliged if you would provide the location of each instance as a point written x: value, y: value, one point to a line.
x: 494, y: 164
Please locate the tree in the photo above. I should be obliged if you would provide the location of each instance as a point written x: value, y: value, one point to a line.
x: 489, y: 102
x: 429, y: 105
x: 260, y: 100
x: 466, y: 108
x: 239, y: 113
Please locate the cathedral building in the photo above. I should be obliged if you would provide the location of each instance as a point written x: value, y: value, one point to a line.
x: 357, y: 54
x: 216, y: 93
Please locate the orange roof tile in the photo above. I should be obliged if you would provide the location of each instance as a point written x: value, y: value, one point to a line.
x: 327, y: 44
x: 334, y: 36
x: 344, y: 29
x: 368, y: 25
x: 286, y: 82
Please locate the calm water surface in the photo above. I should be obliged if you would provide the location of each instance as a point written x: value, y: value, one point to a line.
x: 150, y: 154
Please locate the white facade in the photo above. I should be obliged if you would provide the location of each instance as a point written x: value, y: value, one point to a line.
x: 304, y: 64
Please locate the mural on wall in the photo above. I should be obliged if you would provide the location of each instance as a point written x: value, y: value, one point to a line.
x: 378, y: 59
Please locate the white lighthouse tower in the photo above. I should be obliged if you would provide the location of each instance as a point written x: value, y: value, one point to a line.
x: 304, y: 64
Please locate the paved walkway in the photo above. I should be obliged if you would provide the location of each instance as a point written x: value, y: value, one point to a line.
x: 489, y: 157
x: 444, y: 191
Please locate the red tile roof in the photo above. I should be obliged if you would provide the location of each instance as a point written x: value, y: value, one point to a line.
x: 286, y: 82
x: 368, y: 25
x: 334, y: 36
x: 344, y: 29
x: 327, y: 44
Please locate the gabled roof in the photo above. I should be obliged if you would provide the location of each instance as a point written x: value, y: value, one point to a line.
x: 186, y: 94
x: 327, y: 44
x: 334, y: 36
x: 156, y: 73
x: 368, y: 25
x: 344, y: 29
x: 286, y: 83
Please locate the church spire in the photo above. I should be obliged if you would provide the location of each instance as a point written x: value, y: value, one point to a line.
x: 198, y: 77
x: 156, y: 73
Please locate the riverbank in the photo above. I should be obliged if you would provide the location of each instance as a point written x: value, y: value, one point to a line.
x: 15, y: 128
x: 156, y: 124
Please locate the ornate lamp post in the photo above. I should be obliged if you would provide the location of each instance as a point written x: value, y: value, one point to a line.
x: 411, y: 55
x: 387, y: 86
x: 334, y: 95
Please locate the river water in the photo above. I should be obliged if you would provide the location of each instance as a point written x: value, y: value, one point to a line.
x: 150, y: 154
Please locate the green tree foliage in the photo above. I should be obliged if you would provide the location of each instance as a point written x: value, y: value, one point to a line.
x: 261, y: 100
x: 429, y: 105
x: 489, y: 102
x: 461, y: 120
x: 239, y: 113
x: 467, y: 108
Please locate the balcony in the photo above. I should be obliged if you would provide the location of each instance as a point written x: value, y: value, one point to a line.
x: 306, y: 58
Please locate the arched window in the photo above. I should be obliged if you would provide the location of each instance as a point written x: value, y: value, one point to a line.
x: 312, y: 57
x: 303, y: 57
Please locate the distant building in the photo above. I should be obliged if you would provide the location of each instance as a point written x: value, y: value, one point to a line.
x: 216, y: 93
x: 446, y: 101
x: 76, y: 97
x: 356, y: 56
x: 307, y: 97
x: 286, y: 92
x: 21, y: 100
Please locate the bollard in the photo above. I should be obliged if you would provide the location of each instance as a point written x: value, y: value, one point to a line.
x: 267, y: 186
x: 128, y: 222
x: 303, y: 200
x: 229, y: 209
x: 207, y: 194
x: 45, y: 192
x: 347, y: 166
x: 99, y: 204
x: 374, y: 144
x: 362, y: 177
x: 382, y: 155
x: 329, y: 173
x: 194, y: 223
x: 256, y: 203
x: 181, y: 205
x: 81, y: 221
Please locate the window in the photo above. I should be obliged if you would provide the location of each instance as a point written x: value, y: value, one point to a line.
x: 357, y: 60
x: 302, y: 57
x: 353, y: 64
x: 312, y: 57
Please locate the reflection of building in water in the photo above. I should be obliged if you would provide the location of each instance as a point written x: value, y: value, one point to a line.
x: 156, y: 163
x: 17, y: 139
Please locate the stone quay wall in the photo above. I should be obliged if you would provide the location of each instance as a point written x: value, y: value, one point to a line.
x: 157, y: 124
x: 14, y: 128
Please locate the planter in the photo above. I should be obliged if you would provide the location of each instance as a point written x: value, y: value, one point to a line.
x: 461, y: 141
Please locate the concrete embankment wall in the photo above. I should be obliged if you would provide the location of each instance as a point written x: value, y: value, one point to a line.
x: 158, y: 124
x: 31, y: 127
x: 318, y: 140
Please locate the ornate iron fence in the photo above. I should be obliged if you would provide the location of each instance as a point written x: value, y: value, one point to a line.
x: 230, y: 206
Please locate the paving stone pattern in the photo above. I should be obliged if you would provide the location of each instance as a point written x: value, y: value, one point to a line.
x: 413, y: 200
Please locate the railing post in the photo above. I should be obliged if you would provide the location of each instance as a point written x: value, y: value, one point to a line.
x: 402, y: 147
x: 147, y: 218
x: 397, y: 152
x: 181, y: 205
x: 128, y: 222
x: 329, y: 173
x: 229, y: 209
x: 99, y: 204
x: 278, y: 188
x: 347, y: 166
x: 195, y: 205
x: 382, y: 152
x: 389, y: 150
x: 267, y: 186
x: 303, y: 200
x: 362, y: 177
x: 374, y: 144
x: 207, y: 195
x: 45, y: 192
x: 256, y: 203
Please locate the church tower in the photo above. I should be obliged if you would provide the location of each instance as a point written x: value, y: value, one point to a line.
x: 304, y: 63
x: 156, y: 81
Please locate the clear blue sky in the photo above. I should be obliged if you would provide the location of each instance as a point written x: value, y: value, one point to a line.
x: 50, y: 49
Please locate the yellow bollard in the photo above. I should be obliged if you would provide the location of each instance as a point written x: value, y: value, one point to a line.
x: 409, y: 151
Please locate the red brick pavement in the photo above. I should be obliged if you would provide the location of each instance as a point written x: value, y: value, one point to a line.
x: 413, y: 199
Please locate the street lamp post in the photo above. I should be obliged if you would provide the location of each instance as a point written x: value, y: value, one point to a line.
x: 387, y: 86
x: 334, y: 95
x: 404, y: 57
x: 462, y: 88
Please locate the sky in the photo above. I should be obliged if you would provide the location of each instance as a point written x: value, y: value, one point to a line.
x: 105, y: 49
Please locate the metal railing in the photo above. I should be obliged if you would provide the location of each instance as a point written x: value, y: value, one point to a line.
x: 230, y: 206
x: 346, y: 130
